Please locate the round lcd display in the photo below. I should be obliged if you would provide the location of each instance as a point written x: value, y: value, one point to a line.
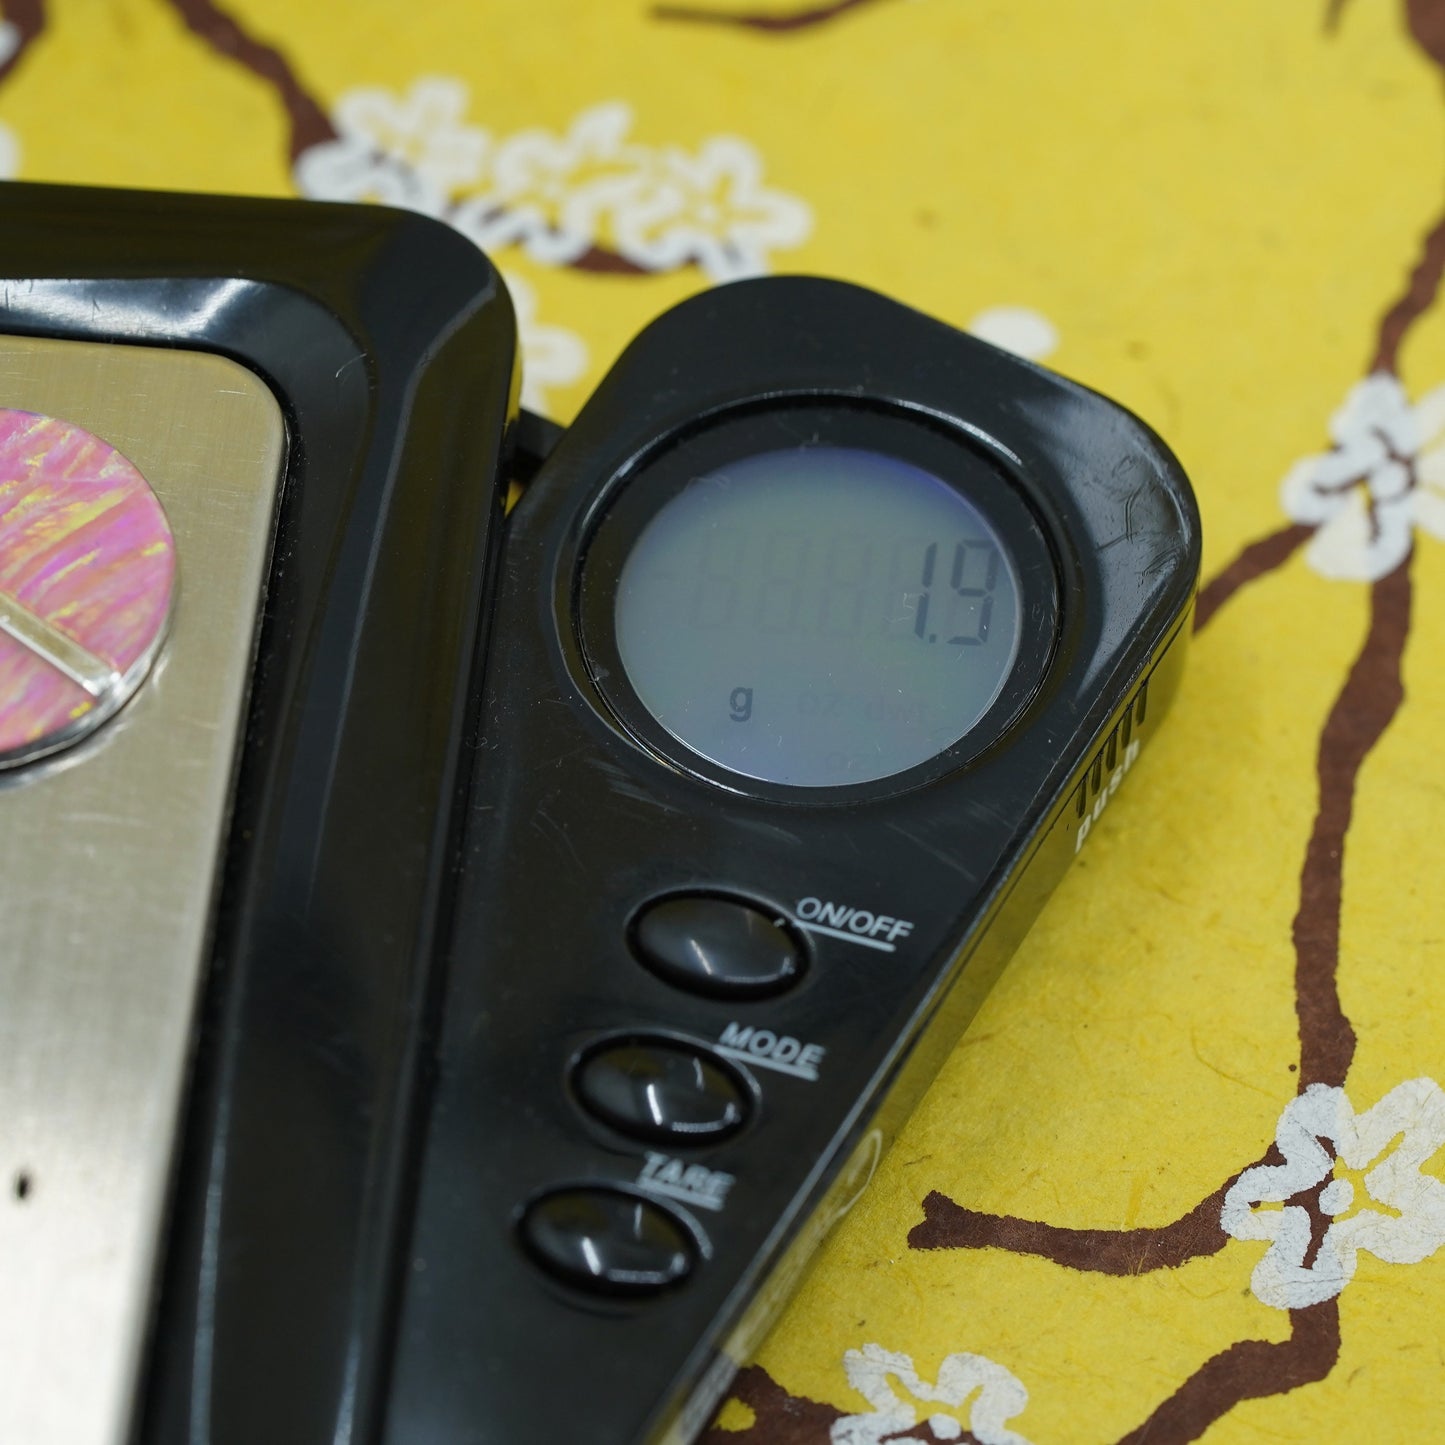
x: 818, y: 616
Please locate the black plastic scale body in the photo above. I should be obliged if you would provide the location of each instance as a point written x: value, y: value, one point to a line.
x: 901, y: 899
x: 486, y: 1063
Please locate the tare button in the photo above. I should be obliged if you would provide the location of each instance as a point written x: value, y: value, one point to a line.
x: 603, y: 1240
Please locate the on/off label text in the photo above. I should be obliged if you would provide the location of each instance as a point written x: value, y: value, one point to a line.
x: 853, y: 925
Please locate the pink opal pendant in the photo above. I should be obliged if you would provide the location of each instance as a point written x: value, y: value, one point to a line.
x: 87, y: 576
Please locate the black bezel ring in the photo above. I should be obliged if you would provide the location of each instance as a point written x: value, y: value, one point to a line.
x: 632, y: 499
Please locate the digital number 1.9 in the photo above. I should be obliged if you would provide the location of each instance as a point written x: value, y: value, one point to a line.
x: 971, y: 582
x: 822, y: 586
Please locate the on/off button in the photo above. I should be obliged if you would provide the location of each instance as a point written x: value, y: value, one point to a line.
x: 87, y: 575
x: 717, y: 946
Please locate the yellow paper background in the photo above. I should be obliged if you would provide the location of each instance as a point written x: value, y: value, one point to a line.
x: 1213, y: 205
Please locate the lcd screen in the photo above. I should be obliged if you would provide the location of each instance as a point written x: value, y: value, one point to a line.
x: 819, y: 616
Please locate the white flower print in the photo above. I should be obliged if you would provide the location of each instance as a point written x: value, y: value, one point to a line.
x: 551, y: 355
x: 1019, y: 329
x: 997, y: 1396
x: 9, y: 40
x: 1384, y: 477
x: 548, y: 193
x: 412, y: 151
x: 9, y: 154
x: 558, y: 197
x: 1408, y: 1228
x: 712, y: 209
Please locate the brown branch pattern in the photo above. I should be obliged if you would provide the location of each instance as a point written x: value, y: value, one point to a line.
x: 28, y: 18
x: 1418, y: 297
x: 1365, y: 707
x: 1248, y: 1370
x: 1194, y: 1235
x: 766, y: 22
x: 1258, y: 559
x: 602, y: 262
x: 1426, y: 19
x: 225, y: 35
x: 778, y: 1417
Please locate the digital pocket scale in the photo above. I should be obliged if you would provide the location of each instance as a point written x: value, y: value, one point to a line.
x: 440, y: 957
